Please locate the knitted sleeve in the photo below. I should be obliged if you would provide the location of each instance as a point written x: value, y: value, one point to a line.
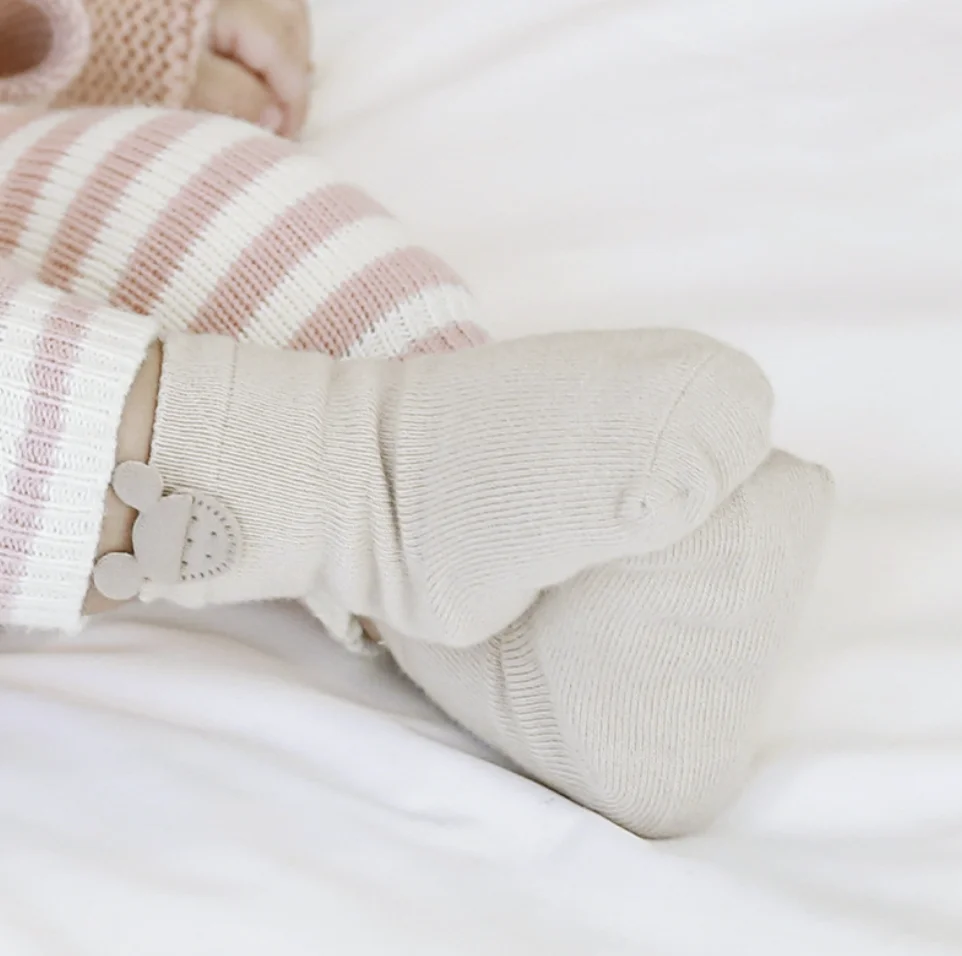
x: 93, y: 52
x: 142, y: 52
x: 66, y: 366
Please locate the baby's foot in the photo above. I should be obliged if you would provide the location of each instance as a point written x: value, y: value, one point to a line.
x: 637, y: 688
x: 257, y: 65
x: 441, y: 495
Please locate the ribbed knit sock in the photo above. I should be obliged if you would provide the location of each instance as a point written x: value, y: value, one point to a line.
x: 442, y: 494
x: 637, y: 689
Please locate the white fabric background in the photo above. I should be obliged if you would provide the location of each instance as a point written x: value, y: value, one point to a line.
x: 784, y: 175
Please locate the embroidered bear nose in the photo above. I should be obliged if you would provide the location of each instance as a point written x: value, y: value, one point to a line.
x: 176, y: 537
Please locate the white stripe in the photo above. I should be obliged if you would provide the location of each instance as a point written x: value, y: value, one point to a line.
x: 418, y: 317
x: 147, y: 197
x: 17, y: 351
x: 317, y: 277
x: 18, y: 344
x: 12, y: 149
x: 70, y: 174
x: 106, y: 361
x: 235, y: 227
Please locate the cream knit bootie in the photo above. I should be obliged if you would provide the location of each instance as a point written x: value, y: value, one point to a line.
x: 441, y: 495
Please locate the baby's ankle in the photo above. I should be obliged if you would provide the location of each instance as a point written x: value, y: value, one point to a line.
x: 133, y: 444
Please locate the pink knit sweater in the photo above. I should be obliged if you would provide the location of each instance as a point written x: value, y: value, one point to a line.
x: 119, y: 224
x: 117, y: 52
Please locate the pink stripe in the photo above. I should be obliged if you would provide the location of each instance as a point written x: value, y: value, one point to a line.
x: 30, y: 173
x: 358, y: 304
x: 14, y: 119
x: 277, y: 251
x: 48, y: 379
x: 161, y: 251
x: 100, y: 193
x: 450, y: 338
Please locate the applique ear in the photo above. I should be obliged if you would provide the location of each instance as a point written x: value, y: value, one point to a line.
x: 138, y: 485
x: 117, y: 576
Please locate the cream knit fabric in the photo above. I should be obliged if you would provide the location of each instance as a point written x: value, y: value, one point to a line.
x: 637, y: 688
x: 527, y: 523
x: 440, y: 496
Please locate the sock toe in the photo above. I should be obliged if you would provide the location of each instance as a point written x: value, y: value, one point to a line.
x: 714, y: 437
x: 552, y: 455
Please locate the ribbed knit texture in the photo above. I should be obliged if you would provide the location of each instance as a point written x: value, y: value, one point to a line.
x: 526, y: 523
x: 211, y: 225
x: 580, y: 546
x: 636, y: 689
x: 65, y: 368
x: 143, y: 52
x: 216, y: 226
x: 442, y: 495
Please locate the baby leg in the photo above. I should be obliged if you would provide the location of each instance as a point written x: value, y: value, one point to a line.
x: 636, y: 688
x: 440, y: 496
x: 205, y: 223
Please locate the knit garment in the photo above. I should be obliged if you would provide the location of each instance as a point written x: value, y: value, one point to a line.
x: 580, y: 546
x: 207, y: 224
x: 633, y: 686
x: 66, y: 366
x: 101, y: 52
x: 442, y: 495
x: 638, y: 689
x: 44, y: 44
x: 215, y: 226
x: 143, y: 52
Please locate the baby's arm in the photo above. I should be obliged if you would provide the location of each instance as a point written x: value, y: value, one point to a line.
x: 133, y: 444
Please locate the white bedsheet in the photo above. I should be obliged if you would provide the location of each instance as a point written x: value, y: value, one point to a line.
x: 785, y: 175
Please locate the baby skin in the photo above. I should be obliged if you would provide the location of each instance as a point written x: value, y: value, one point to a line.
x: 257, y: 66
